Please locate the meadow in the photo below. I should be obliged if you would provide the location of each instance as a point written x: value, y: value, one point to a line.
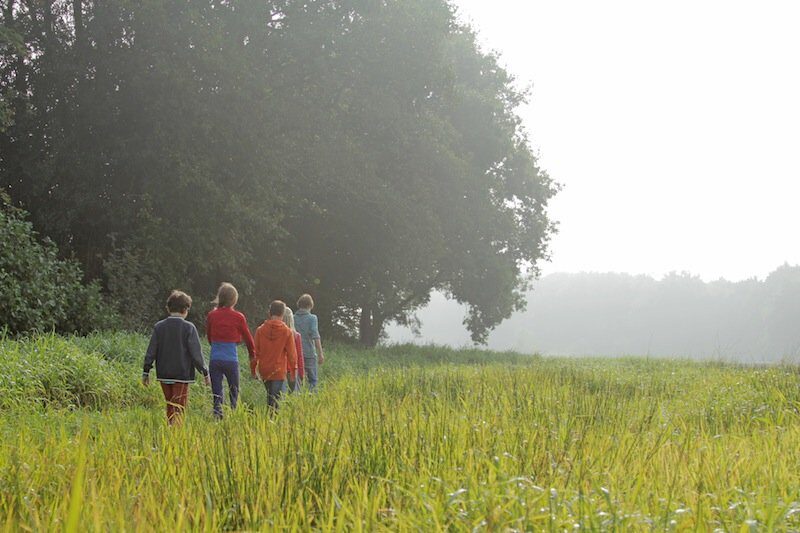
x: 400, y: 438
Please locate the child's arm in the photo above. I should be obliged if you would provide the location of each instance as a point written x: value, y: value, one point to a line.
x: 248, y: 338
x: 298, y: 346
x: 150, y: 357
x: 317, y: 339
x: 197, y: 353
x: 254, y: 360
x: 321, y: 356
x: 292, y: 355
x: 209, y: 322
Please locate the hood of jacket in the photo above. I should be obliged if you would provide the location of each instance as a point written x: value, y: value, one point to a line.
x: 275, y: 329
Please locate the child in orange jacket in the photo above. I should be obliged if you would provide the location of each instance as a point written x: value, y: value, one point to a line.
x: 275, y: 353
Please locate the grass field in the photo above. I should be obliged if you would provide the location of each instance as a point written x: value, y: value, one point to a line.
x: 401, y: 438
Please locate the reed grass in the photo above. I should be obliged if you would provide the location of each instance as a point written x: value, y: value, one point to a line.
x: 428, y: 439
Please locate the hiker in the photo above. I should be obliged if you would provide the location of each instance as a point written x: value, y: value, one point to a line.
x: 307, y: 325
x: 288, y: 319
x: 225, y: 329
x: 175, y: 349
x: 275, y: 353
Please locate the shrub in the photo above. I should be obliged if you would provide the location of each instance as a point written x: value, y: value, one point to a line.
x: 39, y: 291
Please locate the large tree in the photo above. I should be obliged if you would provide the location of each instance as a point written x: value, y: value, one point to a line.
x: 142, y: 141
x: 421, y: 176
x: 364, y: 150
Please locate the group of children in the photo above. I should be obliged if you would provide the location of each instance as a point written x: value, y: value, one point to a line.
x: 286, y: 347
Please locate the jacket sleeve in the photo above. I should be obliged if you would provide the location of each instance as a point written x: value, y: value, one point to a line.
x: 291, y: 352
x: 151, y: 354
x: 209, y: 325
x: 248, y: 338
x: 314, y: 328
x: 254, y: 359
x: 196, y: 352
x: 298, y: 346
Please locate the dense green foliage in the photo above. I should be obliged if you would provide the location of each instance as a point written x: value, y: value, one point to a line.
x: 39, y: 291
x: 429, y: 439
x: 9, y: 41
x: 364, y: 151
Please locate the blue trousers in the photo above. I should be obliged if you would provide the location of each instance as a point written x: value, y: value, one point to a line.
x: 230, y: 371
x: 275, y: 390
x: 311, y: 372
x: 294, y: 384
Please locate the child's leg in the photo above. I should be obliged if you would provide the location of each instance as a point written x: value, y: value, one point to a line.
x: 180, y: 397
x: 311, y: 372
x: 176, y: 395
x: 232, y: 375
x: 167, y: 390
x: 274, y: 391
x: 217, y: 369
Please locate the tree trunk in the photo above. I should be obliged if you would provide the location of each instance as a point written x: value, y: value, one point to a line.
x: 77, y: 17
x: 370, y: 327
x: 49, y: 27
x: 8, y: 13
x: 20, y: 74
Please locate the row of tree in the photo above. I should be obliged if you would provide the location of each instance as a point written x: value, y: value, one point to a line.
x: 366, y: 151
x: 621, y: 314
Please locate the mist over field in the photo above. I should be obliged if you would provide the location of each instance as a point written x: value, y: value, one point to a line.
x: 621, y: 314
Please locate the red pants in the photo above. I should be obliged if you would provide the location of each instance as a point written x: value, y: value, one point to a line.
x: 176, y: 394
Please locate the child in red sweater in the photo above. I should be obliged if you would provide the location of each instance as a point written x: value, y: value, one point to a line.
x: 225, y: 328
x: 294, y: 384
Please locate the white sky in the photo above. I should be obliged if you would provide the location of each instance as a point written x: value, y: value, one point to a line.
x: 673, y: 126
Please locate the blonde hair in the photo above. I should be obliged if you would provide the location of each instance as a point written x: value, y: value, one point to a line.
x: 288, y: 318
x: 227, y: 295
x: 305, y: 302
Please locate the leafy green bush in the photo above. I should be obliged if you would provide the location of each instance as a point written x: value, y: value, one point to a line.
x: 39, y: 291
x: 51, y: 371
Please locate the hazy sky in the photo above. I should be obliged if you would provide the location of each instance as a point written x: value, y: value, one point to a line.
x: 673, y: 126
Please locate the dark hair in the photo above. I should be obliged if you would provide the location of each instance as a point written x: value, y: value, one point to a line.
x: 178, y: 302
x: 227, y: 295
x: 305, y: 302
x: 276, y: 308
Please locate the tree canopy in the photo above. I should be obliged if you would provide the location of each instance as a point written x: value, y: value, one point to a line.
x: 365, y: 151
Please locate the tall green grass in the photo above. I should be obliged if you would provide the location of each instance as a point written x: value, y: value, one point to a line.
x: 420, y: 441
x: 48, y: 371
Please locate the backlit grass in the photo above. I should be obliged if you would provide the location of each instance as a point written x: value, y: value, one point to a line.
x: 428, y: 439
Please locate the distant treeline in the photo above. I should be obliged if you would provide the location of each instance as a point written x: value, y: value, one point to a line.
x: 620, y: 314
x: 365, y: 151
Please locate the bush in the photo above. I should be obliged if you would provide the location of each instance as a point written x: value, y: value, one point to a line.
x: 39, y: 291
x: 51, y: 371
